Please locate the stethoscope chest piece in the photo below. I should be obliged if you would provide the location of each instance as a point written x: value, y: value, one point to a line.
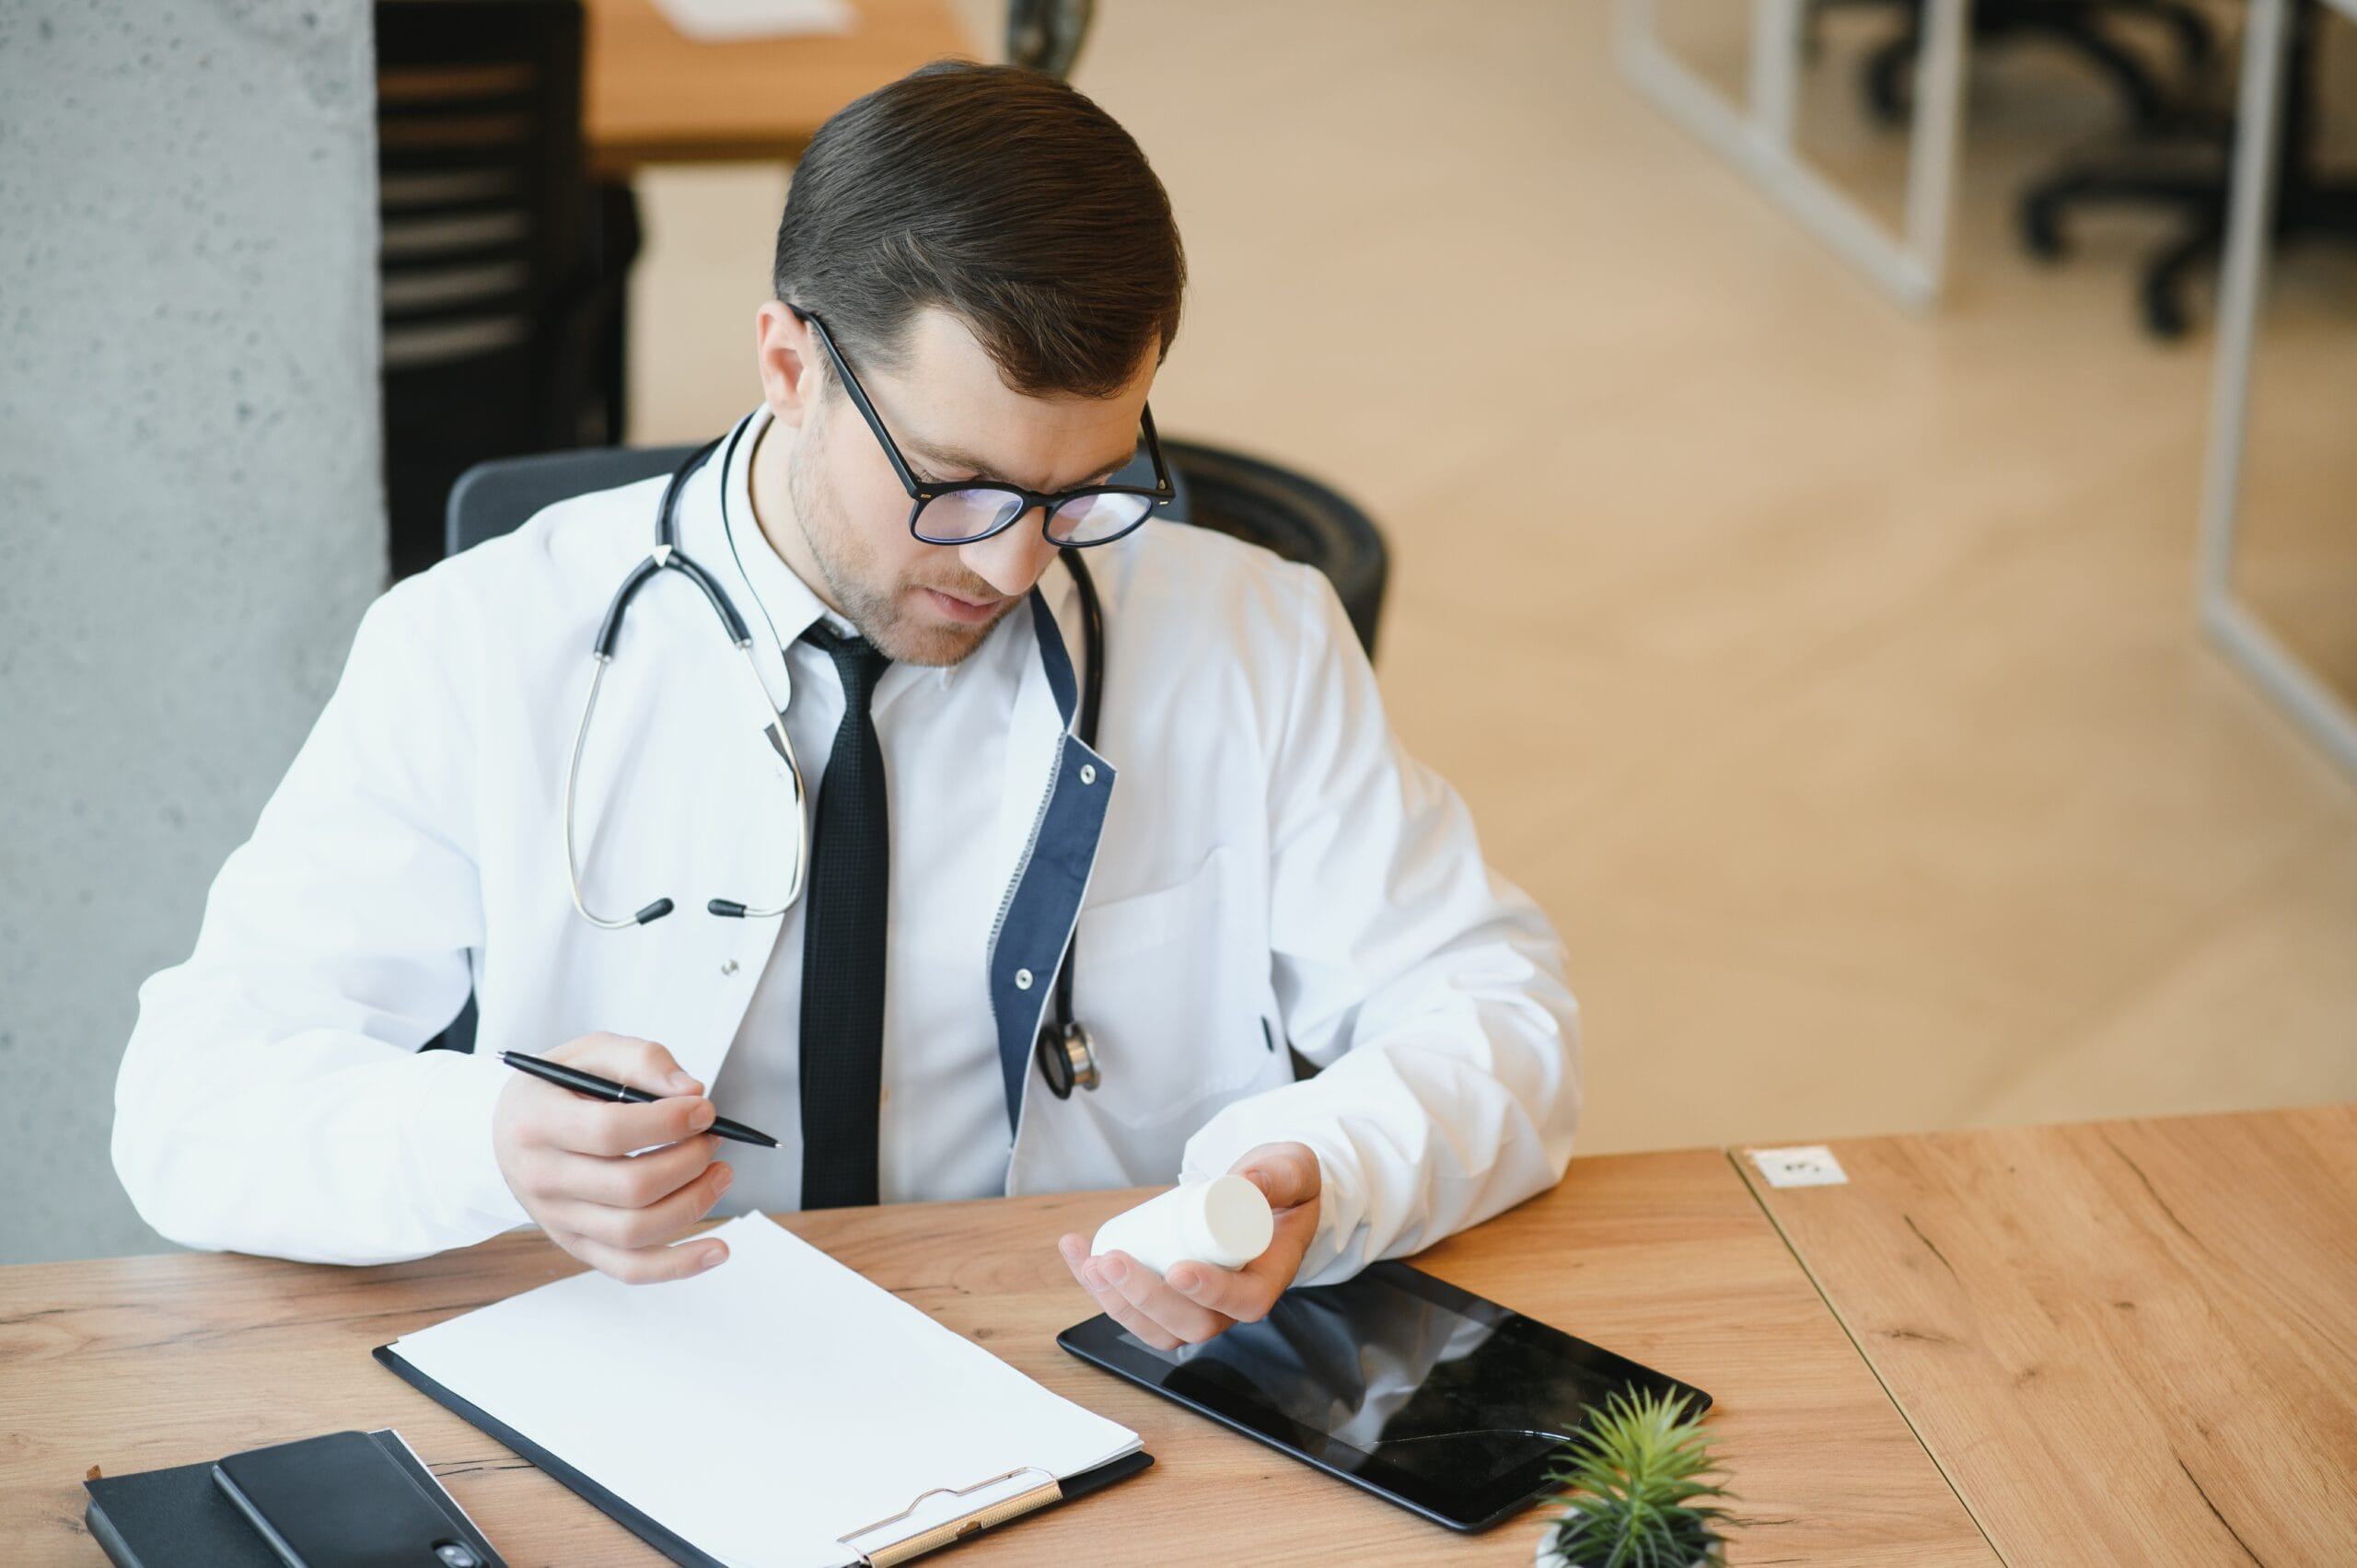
x: 1068, y: 1059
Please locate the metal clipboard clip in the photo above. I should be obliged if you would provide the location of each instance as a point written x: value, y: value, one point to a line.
x: 1048, y: 1491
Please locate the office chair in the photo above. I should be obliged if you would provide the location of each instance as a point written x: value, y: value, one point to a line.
x: 2190, y: 170
x: 2080, y: 25
x: 1291, y: 515
x: 502, y: 263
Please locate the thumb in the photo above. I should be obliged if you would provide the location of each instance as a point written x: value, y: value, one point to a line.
x: 1286, y: 1174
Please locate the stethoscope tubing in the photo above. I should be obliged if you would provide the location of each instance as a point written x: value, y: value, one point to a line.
x: 1064, y: 1036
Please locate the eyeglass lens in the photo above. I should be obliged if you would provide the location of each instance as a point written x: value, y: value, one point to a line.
x: 958, y: 517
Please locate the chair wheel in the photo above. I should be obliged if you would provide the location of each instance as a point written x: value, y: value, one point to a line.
x: 2042, y: 230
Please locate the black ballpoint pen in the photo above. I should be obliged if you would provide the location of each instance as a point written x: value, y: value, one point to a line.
x: 574, y: 1078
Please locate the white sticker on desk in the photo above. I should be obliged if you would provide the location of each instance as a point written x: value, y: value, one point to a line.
x: 1806, y: 1165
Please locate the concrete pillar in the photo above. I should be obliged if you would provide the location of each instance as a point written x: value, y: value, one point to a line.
x: 190, y: 520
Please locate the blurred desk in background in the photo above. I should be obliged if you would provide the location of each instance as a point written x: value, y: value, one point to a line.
x: 135, y: 1363
x: 2126, y: 1342
x: 653, y: 96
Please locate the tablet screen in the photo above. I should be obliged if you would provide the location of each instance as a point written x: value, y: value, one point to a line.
x: 1448, y: 1404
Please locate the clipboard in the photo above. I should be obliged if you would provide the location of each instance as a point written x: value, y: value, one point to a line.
x: 1048, y: 1495
x: 818, y: 1402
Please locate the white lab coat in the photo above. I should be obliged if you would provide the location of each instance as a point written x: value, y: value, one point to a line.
x: 1273, y: 869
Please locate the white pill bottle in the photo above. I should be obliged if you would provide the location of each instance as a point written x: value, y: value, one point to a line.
x: 1224, y: 1222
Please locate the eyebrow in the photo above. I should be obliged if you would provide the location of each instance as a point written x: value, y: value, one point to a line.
x: 938, y: 458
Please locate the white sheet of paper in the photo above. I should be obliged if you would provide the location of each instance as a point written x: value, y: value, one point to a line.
x: 715, y: 21
x: 764, y: 1409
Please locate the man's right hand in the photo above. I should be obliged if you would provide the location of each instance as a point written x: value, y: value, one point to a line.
x: 568, y: 1159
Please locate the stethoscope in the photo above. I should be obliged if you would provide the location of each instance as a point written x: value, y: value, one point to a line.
x: 1066, y: 1052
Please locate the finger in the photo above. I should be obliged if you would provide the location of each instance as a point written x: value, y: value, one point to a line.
x: 654, y: 1226
x: 603, y: 1127
x: 1110, y: 1301
x: 1074, y: 1249
x: 1153, y: 1296
x: 632, y: 1182
x: 1242, y: 1296
x: 1286, y: 1174
x: 1075, y: 1255
x: 646, y: 1265
x: 1275, y: 1269
x: 641, y: 1063
x: 1118, y: 1307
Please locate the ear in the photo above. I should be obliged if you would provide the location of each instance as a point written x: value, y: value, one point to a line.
x: 787, y: 355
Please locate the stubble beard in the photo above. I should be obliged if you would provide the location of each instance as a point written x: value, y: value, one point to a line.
x: 881, y: 612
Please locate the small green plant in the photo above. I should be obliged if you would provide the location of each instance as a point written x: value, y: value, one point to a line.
x: 1634, y: 1489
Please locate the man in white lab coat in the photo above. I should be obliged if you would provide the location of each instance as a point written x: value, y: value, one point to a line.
x: 977, y: 277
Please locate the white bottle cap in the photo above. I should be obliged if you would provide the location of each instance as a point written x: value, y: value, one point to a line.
x: 1230, y: 1224
x: 1225, y: 1222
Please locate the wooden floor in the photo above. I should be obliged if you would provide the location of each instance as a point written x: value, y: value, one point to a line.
x: 1828, y: 674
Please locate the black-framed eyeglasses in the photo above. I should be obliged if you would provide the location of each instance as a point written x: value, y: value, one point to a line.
x: 975, y: 509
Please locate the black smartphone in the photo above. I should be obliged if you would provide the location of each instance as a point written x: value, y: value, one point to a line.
x: 341, y: 1501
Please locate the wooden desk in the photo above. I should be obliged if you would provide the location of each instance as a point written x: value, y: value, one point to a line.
x: 2126, y: 1342
x: 141, y: 1362
x: 653, y: 97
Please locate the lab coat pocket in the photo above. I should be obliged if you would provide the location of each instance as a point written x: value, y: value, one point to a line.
x: 1173, y: 985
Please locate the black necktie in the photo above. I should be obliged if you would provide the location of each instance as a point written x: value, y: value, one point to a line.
x: 843, y: 946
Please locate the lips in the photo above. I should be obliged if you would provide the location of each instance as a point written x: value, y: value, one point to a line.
x: 965, y: 610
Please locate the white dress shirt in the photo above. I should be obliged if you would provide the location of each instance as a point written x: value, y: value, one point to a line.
x: 942, y: 1131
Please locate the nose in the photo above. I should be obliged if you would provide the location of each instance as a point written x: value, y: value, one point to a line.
x: 1012, y: 559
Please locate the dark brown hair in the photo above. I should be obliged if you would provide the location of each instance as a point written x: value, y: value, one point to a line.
x: 1002, y: 195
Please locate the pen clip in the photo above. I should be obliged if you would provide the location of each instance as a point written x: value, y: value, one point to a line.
x: 1048, y: 1491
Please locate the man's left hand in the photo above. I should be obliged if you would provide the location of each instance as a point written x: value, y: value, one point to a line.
x: 1199, y: 1302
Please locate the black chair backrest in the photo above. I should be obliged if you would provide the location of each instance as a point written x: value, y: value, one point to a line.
x: 1292, y: 515
x: 491, y: 499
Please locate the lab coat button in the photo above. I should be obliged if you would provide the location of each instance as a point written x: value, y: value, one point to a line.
x: 1022, y: 980
x: 1088, y: 772
x: 729, y: 965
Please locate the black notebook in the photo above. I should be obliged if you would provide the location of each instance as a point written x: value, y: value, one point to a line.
x: 179, y: 1519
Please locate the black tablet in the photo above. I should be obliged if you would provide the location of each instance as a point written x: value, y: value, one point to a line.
x: 1421, y: 1393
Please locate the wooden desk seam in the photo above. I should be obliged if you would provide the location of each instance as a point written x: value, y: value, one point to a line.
x: 1748, y: 1178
